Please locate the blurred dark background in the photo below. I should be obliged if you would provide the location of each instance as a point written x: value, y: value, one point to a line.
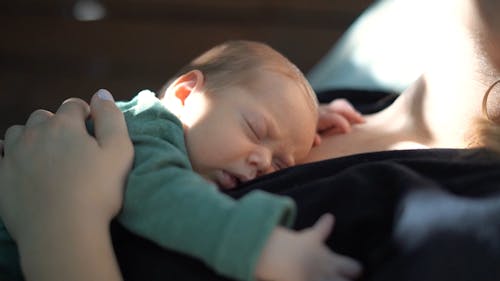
x: 54, y: 49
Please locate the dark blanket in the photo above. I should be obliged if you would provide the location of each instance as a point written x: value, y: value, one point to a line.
x: 406, y: 215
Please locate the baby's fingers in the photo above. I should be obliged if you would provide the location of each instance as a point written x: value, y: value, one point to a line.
x: 332, y: 120
x: 345, y: 108
x: 347, y: 267
x: 323, y: 226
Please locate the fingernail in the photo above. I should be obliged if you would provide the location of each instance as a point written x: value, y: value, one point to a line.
x: 104, y: 95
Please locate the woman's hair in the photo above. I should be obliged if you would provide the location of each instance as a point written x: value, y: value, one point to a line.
x: 488, y: 129
x: 237, y: 63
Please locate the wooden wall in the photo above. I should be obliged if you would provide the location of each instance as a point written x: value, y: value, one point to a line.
x: 46, y: 55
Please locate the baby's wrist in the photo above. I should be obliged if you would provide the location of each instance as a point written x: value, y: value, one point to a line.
x: 273, y: 255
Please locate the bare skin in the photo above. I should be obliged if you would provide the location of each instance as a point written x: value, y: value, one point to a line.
x: 65, y: 208
x: 83, y: 188
x: 450, y: 95
x: 440, y: 108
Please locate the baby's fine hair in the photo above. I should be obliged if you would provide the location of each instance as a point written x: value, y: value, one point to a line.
x: 236, y: 63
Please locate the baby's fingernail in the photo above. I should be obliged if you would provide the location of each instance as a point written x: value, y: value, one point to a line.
x: 104, y: 95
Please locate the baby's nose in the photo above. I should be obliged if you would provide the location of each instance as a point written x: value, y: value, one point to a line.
x: 261, y: 160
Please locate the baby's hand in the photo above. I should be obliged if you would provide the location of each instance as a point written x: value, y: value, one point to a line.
x: 301, y: 256
x: 337, y: 117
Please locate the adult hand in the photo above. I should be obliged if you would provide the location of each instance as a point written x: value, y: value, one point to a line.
x: 52, y: 165
x: 61, y: 187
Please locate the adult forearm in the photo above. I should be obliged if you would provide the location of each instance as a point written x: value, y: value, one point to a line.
x: 72, y: 253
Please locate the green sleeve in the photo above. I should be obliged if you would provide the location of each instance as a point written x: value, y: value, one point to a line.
x: 169, y: 204
x: 10, y: 267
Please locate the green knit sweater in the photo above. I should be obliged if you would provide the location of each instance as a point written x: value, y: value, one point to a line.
x: 169, y: 204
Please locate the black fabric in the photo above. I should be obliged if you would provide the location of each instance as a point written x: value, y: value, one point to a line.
x: 364, y: 101
x: 394, y: 210
x: 406, y: 215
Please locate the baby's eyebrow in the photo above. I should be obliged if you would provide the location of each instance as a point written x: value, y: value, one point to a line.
x: 274, y: 132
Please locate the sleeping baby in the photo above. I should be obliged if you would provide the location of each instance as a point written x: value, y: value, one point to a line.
x: 238, y: 111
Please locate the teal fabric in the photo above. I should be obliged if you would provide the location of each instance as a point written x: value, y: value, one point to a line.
x: 9, y: 258
x: 169, y: 204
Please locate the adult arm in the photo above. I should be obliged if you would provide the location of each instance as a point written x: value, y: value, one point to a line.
x: 61, y: 187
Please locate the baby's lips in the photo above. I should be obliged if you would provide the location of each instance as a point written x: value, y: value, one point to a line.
x: 226, y: 180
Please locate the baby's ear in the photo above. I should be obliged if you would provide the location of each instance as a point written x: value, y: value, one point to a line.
x: 184, y: 85
x: 179, y: 90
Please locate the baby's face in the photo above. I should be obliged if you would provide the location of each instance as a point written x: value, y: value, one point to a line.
x: 246, y: 132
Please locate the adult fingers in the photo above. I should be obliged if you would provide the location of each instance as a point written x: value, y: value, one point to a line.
x: 76, y: 109
x: 12, y: 136
x: 37, y: 117
x: 109, y: 123
x: 323, y: 226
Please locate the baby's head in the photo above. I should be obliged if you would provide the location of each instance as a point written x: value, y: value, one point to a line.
x: 246, y: 109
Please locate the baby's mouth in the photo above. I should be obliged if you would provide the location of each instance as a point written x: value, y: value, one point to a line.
x: 225, y: 180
